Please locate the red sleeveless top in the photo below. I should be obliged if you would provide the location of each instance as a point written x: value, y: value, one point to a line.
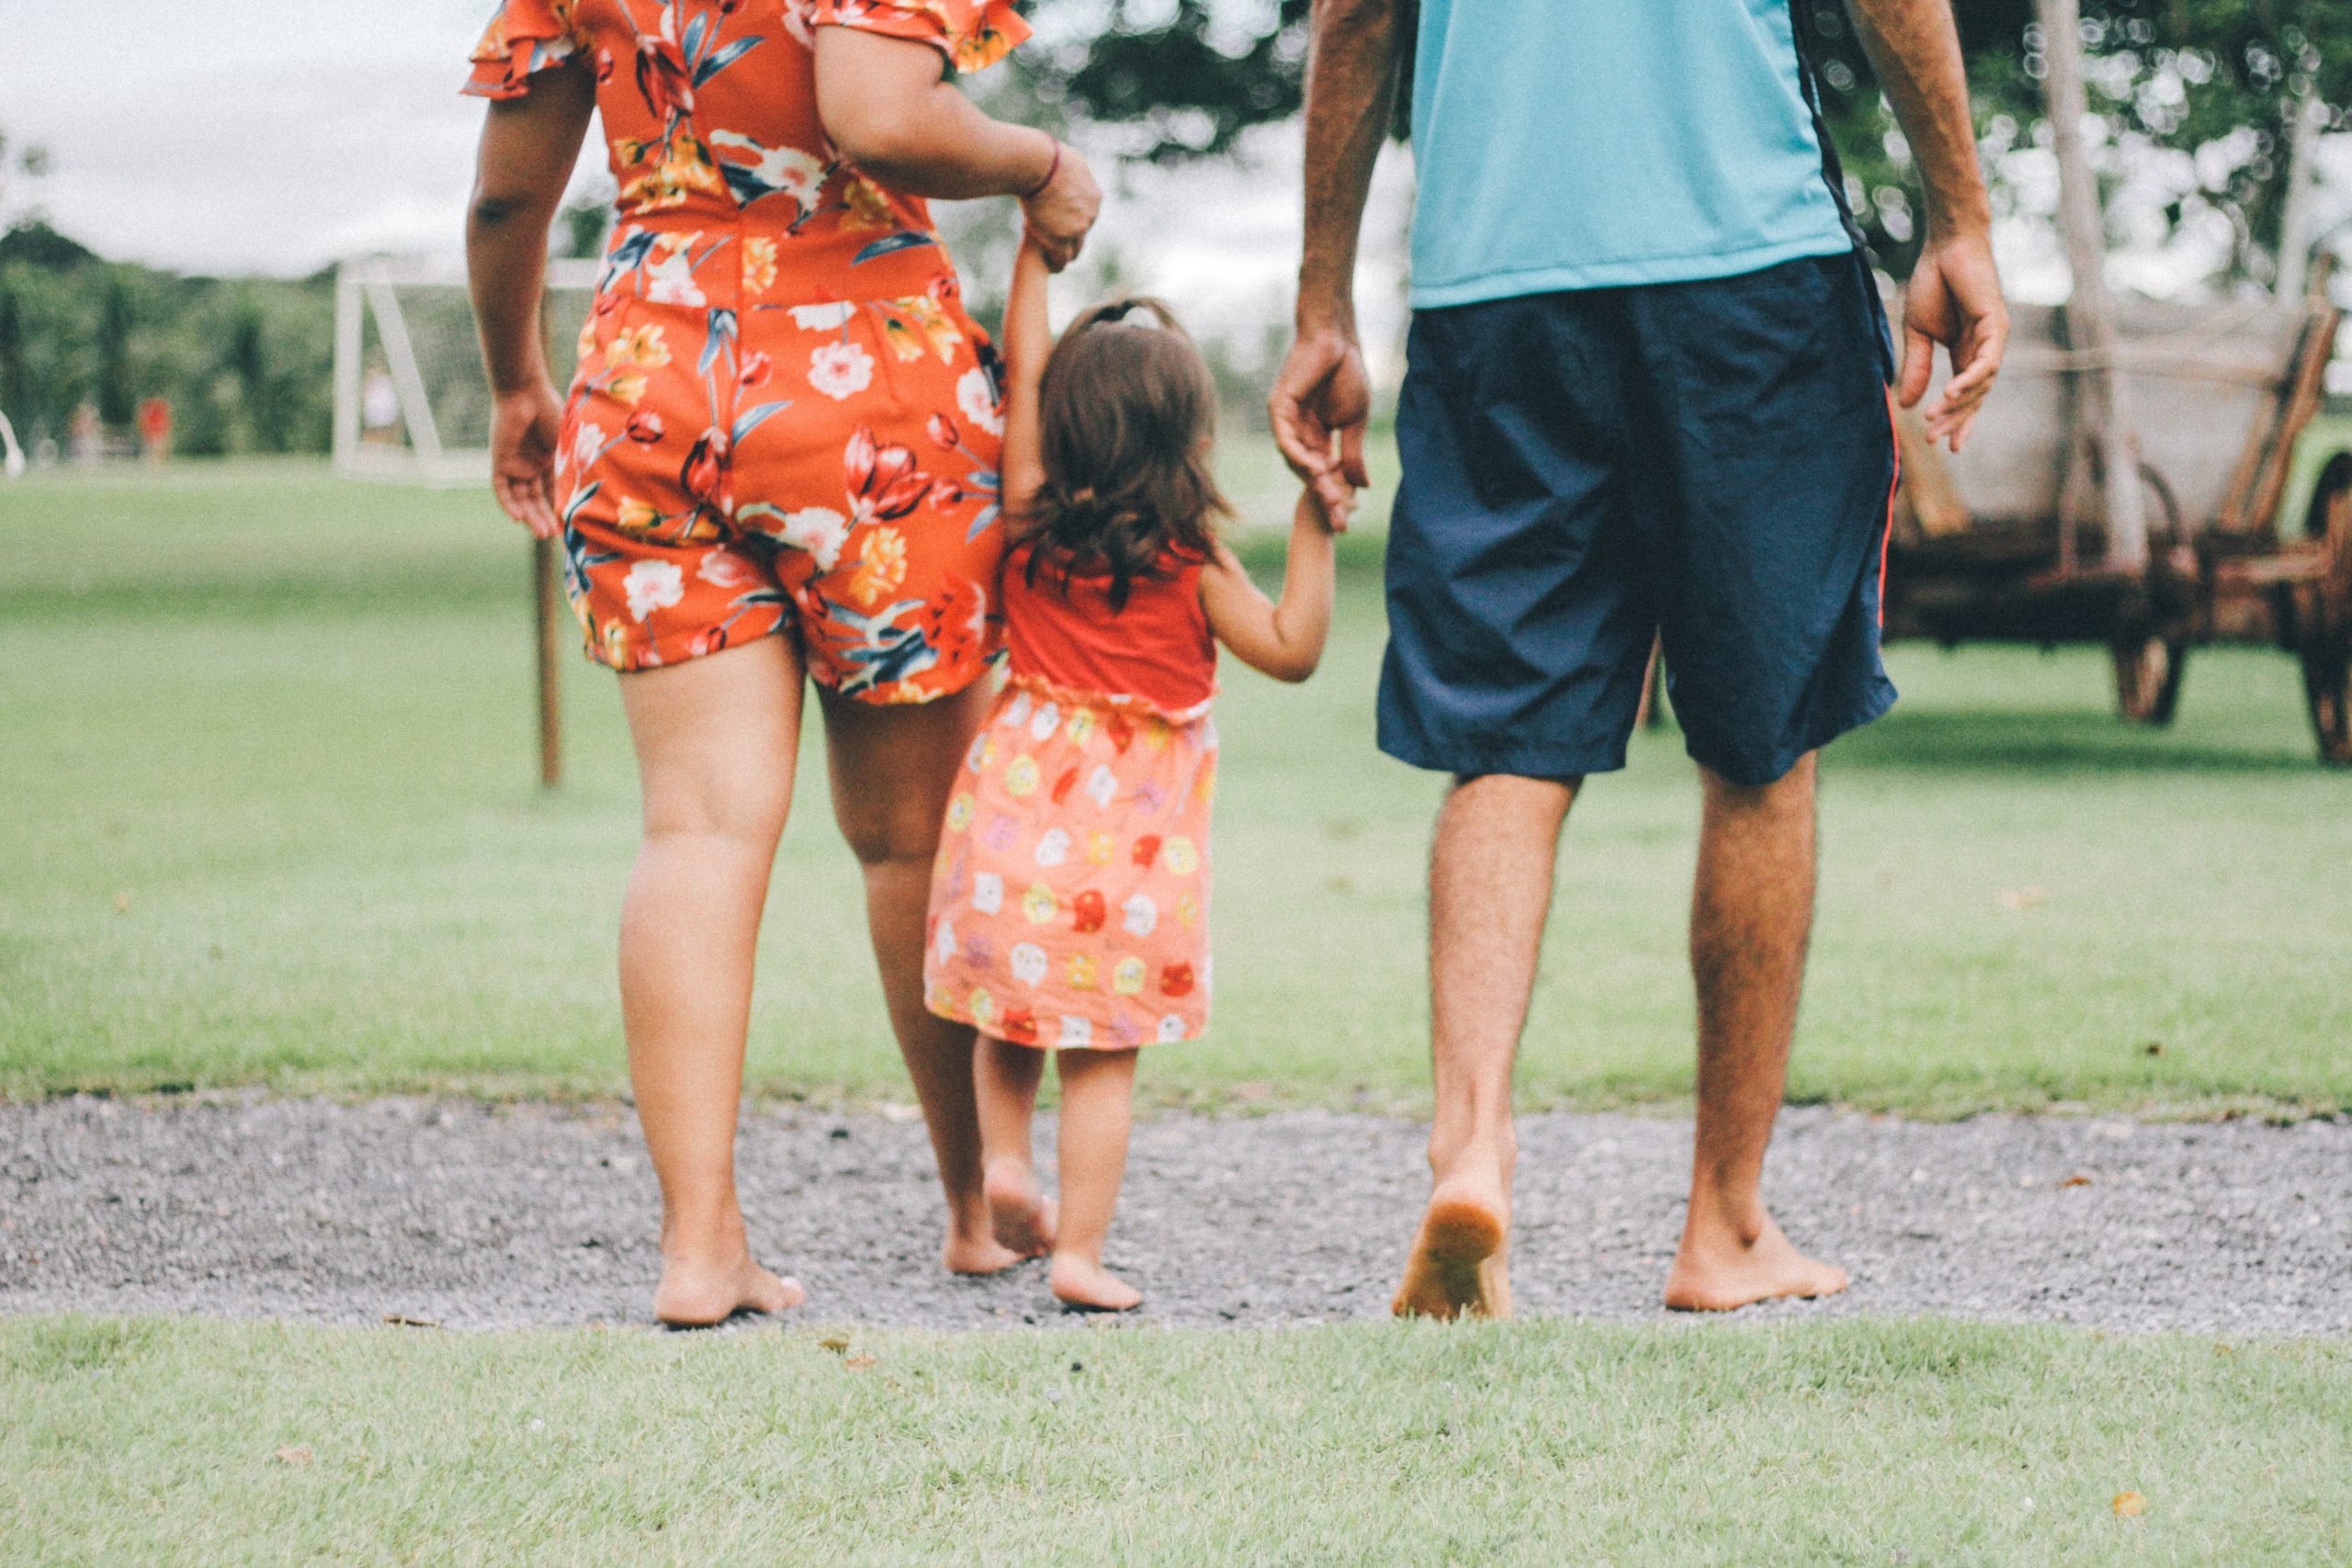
x: 1158, y: 648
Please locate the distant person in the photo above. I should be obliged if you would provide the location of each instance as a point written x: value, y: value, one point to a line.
x: 1069, y: 910
x: 379, y: 407
x: 778, y: 465
x: 1644, y: 395
x: 155, y: 428
x: 86, y: 434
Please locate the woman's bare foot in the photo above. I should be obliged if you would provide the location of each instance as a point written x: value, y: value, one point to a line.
x: 695, y: 1295
x: 1460, y: 1259
x: 1717, y: 1271
x: 1020, y: 1214
x: 1089, y: 1287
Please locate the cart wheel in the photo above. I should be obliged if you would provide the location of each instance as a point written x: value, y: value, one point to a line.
x: 2148, y: 672
x: 2327, y: 632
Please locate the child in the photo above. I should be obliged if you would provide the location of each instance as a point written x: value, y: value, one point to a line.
x: 1070, y: 905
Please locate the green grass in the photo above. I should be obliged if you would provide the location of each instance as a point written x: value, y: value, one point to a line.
x: 1540, y: 1443
x: 271, y: 821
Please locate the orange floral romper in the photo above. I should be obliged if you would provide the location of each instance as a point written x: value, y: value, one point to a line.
x: 784, y: 421
x: 1070, y: 904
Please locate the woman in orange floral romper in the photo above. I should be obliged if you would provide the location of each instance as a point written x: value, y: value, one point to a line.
x: 777, y: 465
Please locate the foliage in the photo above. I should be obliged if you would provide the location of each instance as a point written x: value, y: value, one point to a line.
x: 243, y: 362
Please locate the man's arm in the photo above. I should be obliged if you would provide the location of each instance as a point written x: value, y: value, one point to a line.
x: 1955, y: 293
x: 1322, y: 399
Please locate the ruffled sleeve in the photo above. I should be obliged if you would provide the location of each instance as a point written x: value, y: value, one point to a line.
x: 525, y: 38
x: 973, y: 34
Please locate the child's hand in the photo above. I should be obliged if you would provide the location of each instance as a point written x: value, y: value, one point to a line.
x: 1312, y: 506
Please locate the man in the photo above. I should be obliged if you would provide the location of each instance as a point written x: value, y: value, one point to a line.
x: 1645, y: 395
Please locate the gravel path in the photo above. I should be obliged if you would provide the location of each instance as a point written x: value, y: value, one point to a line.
x: 465, y: 1215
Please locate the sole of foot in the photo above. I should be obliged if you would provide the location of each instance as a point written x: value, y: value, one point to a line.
x: 1460, y: 1266
x: 1020, y: 1215
x: 1091, y: 1288
x: 1725, y: 1276
x: 698, y: 1296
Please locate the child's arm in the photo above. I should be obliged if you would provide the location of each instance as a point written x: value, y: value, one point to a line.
x: 1028, y: 340
x: 1284, y: 639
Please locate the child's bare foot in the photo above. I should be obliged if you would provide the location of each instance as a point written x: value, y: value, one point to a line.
x: 1460, y: 1259
x: 696, y: 1294
x: 1717, y: 1270
x: 1020, y: 1214
x: 975, y: 1254
x: 1089, y: 1287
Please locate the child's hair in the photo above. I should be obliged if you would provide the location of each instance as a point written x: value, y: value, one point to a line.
x: 1128, y: 412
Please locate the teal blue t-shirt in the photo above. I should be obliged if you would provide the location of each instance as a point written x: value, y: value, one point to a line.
x: 1595, y: 144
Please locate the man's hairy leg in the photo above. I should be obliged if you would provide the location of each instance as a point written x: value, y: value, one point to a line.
x: 1490, y: 889
x: 1751, y: 918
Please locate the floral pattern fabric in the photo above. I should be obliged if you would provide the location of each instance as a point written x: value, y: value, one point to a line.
x: 784, y: 421
x: 1070, y: 903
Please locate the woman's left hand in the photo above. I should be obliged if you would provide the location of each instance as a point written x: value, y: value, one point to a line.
x: 524, y: 428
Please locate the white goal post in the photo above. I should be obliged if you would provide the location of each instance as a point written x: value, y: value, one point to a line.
x: 412, y: 404
x: 411, y: 400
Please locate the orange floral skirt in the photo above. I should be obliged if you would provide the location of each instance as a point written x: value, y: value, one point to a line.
x: 1069, y: 906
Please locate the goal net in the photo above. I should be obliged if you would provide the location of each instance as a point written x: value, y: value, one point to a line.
x: 411, y: 399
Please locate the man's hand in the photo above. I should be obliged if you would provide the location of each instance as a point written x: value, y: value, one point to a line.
x: 524, y: 428
x: 1321, y: 403
x: 1954, y: 300
x: 1060, y: 213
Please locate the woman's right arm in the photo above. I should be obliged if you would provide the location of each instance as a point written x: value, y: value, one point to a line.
x: 528, y: 147
x: 886, y: 103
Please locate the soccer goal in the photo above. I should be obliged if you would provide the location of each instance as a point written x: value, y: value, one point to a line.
x: 411, y: 400
x: 412, y: 405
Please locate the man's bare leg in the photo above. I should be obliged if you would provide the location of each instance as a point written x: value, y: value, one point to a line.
x: 1490, y: 890
x: 1751, y: 917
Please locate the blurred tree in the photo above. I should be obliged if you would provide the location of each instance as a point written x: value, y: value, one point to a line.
x: 117, y: 398
x: 2219, y: 82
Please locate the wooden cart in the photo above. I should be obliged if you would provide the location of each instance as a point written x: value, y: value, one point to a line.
x: 2010, y: 540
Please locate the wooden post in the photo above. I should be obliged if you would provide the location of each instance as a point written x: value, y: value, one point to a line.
x: 549, y: 612
x: 2090, y: 313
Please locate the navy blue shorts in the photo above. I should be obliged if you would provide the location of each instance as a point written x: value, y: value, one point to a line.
x: 1712, y: 462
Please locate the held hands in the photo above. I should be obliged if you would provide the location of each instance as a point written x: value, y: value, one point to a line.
x: 1955, y: 299
x: 525, y: 429
x: 1321, y: 402
x: 1059, y: 212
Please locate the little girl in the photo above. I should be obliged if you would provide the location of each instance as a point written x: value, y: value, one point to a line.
x: 1069, y: 906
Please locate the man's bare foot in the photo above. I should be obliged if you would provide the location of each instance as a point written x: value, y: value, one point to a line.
x: 1716, y: 1272
x: 1089, y: 1287
x: 1461, y: 1261
x: 698, y: 1295
x: 1020, y: 1214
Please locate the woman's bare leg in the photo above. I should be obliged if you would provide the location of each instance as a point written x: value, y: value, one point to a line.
x: 1006, y: 1077
x: 892, y: 767
x: 716, y: 740
x: 1098, y: 1110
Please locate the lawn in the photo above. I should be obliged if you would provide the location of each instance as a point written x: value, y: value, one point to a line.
x: 272, y: 822
x: 1540, y: 1443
